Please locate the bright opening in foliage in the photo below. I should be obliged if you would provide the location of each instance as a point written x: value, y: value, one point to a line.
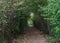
x: 30, y: 20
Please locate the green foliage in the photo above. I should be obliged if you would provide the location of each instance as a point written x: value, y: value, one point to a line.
x: 52, y: 14
x: 50, y: 10
x: 35, y: 5
x: 52, y: 39
x: 20, y: 14
x: 2, y: 18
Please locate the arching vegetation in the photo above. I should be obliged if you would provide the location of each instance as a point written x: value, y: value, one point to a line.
x: 15, y: 15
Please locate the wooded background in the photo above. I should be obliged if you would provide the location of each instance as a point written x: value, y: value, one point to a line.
x: 14, y: 16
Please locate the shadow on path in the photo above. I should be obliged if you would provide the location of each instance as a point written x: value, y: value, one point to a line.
x: 31, y: 35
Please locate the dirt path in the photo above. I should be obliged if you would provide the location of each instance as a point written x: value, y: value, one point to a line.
x: 32, y: 36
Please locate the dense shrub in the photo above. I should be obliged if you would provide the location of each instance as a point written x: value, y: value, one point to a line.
x: 52, y: 15
x: 14, y: 14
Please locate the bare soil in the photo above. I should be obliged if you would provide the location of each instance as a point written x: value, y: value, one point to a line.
x: 31, y: 35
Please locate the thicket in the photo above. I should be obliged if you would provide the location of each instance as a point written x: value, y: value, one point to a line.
x: 15, y: 13
x: 52, y: 14
x: 55, y: 18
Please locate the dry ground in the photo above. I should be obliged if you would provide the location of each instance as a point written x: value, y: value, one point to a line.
x: 31, y: 35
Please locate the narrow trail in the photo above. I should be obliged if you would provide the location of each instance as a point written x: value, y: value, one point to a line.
x: 32, y: 35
